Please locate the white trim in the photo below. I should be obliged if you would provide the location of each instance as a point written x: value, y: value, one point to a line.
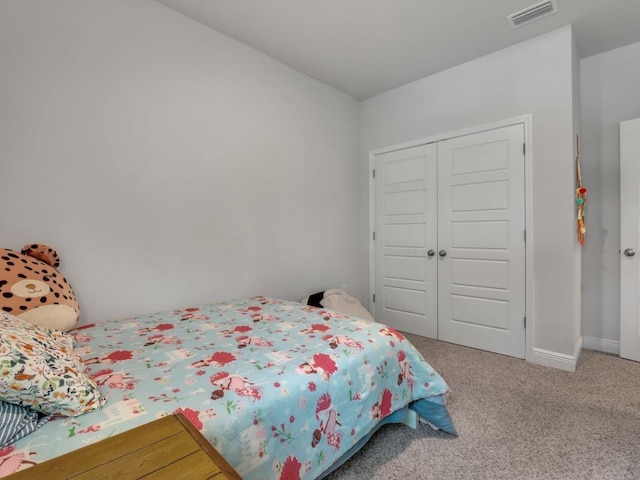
x: 554, y: 360
x: 525, y: 119
x: 558, y: 360
x: 527, y: 122
x: 530, y: 293
x: 602, y: 345
x: 372, y: 225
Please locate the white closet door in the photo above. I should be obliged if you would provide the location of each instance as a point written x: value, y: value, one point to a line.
x: 406, y: 229
x: 481, y: 223
x: 630, y: 239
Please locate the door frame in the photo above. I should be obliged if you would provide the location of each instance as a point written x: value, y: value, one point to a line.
x: 527, y: 122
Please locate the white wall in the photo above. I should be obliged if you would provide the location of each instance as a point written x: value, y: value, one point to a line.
x: 164, y: 160
x: 168, y: 164
x: 533, y: 77
x: 609, y: 95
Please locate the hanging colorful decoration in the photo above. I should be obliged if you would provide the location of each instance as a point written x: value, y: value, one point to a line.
x: 581, y: 196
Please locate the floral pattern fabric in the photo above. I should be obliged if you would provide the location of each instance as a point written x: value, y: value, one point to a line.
x: 39, y: 370
x: 280, y: 389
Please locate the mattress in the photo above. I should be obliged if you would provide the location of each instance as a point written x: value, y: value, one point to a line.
x: 282, y: 390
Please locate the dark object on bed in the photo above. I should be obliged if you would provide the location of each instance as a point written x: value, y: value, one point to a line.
x: 340, y: 301
x: 315, y: 299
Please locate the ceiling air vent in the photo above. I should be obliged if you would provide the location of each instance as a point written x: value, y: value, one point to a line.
x: 532, y: 13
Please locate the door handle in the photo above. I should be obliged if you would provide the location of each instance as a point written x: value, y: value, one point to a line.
x: 442, y: 253
x: 431, y: 253
x: 629, y: 252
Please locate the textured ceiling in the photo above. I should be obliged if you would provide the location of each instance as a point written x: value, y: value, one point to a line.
x: 366, y: 47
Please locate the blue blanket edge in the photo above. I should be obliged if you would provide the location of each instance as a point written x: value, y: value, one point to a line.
x: 432, y: 409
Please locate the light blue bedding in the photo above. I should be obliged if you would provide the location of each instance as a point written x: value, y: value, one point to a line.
x: 282, y: 390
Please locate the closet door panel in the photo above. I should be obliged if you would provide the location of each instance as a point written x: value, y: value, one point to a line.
x: 406, y: 229
x: 481, y: 207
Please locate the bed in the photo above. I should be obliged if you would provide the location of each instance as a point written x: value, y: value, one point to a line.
x: 282, y: 390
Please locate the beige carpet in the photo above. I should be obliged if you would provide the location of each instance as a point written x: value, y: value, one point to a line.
x: 516, y: 420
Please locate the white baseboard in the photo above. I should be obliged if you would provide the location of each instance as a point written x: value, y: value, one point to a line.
x: 602, y: 345
x: 558, y: 360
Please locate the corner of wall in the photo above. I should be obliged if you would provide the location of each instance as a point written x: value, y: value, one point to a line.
x: 558, y: 360
x: 602, y: 345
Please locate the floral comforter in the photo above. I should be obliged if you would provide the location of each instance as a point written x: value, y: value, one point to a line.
x: 282, y: 390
